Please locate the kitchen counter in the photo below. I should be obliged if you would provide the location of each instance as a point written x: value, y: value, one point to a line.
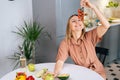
x: 111, y: 24
x: 115, y: 24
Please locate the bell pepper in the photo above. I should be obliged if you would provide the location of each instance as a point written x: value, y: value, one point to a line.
x: 30, y: 78
x: 20, y: 76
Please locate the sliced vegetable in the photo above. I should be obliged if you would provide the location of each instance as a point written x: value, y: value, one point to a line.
x: 63, y: 76
x: 40, y: 73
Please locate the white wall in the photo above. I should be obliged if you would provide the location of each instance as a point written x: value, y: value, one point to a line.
x: 12, y: 13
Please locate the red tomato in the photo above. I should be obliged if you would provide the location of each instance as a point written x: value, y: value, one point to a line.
x: 30, y: 78
x: 80, y: 14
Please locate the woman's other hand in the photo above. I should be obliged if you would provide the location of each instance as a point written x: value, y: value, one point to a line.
x: 55, y: 75
x: 58, y: 67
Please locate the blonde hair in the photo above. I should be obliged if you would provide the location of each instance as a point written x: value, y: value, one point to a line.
x: 68, y: 30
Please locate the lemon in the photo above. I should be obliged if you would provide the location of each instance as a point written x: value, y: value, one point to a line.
x: 31, y: 67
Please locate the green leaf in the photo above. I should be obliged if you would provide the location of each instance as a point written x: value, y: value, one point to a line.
x: 17, y: 63
x: 116, y: 4
x: 112, y: 4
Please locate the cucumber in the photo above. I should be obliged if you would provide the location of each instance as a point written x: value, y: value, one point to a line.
x: 63, y: 76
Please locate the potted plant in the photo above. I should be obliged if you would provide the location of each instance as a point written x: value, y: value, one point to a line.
x: 30, y: 32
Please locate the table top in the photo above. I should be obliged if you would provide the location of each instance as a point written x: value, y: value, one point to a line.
x: 76, y: 72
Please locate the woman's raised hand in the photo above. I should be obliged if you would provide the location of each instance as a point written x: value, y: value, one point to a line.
x: 86, y: 3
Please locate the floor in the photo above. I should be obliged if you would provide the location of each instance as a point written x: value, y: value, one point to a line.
x: 113, y: 70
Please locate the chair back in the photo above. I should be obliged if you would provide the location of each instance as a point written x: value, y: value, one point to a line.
x: 102, y: 53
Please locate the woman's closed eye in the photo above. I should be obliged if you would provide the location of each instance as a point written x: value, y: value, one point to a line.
x: 76, y: 20
x: 73, y: 21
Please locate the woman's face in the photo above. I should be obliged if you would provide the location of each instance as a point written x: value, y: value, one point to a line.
x: 76, y: 24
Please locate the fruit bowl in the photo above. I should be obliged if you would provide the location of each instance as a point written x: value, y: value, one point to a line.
x: 63, y: 76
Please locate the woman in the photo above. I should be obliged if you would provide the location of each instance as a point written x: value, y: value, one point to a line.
x: 80, y: 45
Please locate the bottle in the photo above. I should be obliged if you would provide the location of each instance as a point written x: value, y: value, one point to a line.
x: 22, y: 61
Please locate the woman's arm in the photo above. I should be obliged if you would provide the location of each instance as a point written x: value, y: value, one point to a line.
x: 105, y: 24
x: 58, y: 67
x: 61, y: 56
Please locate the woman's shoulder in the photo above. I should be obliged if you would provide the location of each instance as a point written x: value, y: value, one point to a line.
x: 90, y: 33
x: 65, y: 41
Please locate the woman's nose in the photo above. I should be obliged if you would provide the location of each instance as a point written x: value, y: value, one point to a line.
x: 77, y: 23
